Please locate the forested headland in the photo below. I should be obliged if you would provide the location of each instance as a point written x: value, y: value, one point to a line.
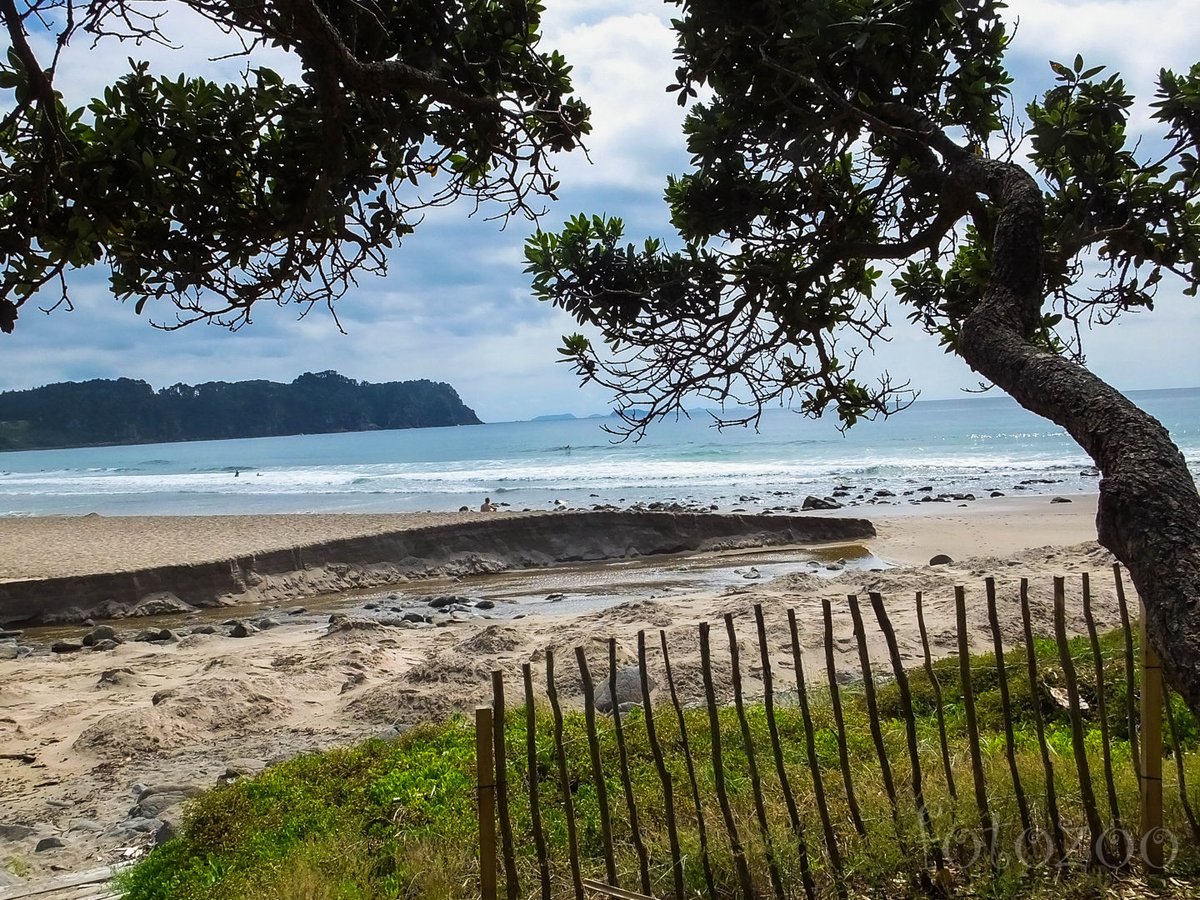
x: 125, y: 411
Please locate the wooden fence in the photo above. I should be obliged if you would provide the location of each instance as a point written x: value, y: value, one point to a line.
x: 802, y: 790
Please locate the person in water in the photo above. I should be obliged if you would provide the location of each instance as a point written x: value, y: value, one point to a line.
x: 487, y: 505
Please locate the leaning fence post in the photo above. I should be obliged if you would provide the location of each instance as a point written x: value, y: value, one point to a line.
x: 968, y: 699
x: 1086, y: 793
x: 486, y: 800
x: 512, y: 888
x: 1150, y: 794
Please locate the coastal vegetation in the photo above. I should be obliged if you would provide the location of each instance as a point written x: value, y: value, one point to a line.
x: 124, y: 411
x: 397, y: 818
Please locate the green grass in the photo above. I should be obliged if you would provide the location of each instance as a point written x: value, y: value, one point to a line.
x: 397, y: 819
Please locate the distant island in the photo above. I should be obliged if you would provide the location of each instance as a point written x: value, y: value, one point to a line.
x: 125, y: 411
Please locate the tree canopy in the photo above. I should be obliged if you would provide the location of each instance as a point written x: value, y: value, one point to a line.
x: 840, y: 148
x: 209, y: 198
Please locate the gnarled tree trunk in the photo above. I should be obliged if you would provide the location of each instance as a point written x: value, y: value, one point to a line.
x: 1149, y: 513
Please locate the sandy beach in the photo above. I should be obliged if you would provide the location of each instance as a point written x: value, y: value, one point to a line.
x: 84, y: 735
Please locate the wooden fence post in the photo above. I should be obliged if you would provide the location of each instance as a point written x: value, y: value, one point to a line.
x: 1150, y: 794
x: 485, y: 774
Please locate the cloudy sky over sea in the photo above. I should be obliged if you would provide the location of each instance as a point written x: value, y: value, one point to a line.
x: 456, y: 307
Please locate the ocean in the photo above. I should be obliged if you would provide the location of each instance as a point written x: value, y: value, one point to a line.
x: 970, y: 445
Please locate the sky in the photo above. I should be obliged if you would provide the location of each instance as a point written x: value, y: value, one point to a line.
x: 456, y: 307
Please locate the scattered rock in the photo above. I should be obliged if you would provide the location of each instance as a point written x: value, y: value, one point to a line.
x: 100, y: 633
x: 9, y: 651
x: 204, y: 629
x: 134, y: 825
x: 49, y: 843
x: 160, y: 603
x: 156, y: 636
x: 811, y: 502
x: 90, y: 826
x: 1090, y: 472
x: 105, y: 645
x: 997, y: 493
x: 485, y: 604
x: 169, y: 826
x: 65, y: 647
x: 555, y: 598
x: 884, y: 493
x: 1060, y: 499
x: 629, y: 688
x: 940, y: 560
x: 242, y: 630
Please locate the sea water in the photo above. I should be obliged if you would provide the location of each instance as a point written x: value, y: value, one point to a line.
x: 971, y: 445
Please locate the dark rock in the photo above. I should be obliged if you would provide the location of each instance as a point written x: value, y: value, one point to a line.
x: 940, y: 560
x: 485, y: 604
x: 49, y: 843
x: 9, y: 634
x: 242, y: 629
x: 811, y: 502
x: 15, y: 832
x: 65, y: 647
x: 925, y: 488
x: 997, y: 493
x: 135, y: 825
x: 105, y: 646
x: 160, y: 603
x: 160, y: 696
x: 155, y: 636
x: 204, y: 629
x: 412, y: 616
x: 629, y: 688
x: 555, y: 598
x: 447, y: 600
x: 169, y: 826
x: 265, y: 623
x: 1060, y: 499
x: 884, y: 493
x: 100, y: 633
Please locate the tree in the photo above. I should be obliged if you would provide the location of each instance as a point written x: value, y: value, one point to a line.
x: 214, y: 197
x: 836, y: 136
